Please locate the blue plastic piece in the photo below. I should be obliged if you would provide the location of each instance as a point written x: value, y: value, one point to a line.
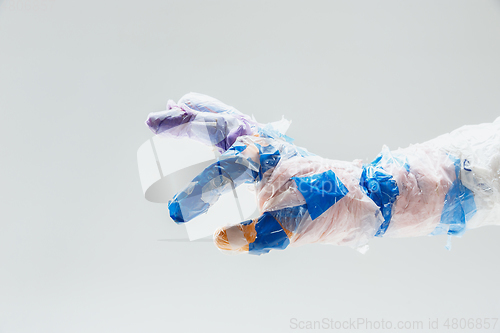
x: 235, y: 149
x: 175, y: 211
x: 380, y: 186
x: 268, y: 161
x: 188, y: 203
x: 269, y: 158
x: 459, y: 206
x: 290, y: 217
x: 270, y: 235
x: 321, y: 191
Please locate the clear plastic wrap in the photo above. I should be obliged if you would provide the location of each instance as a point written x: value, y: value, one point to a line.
x: 204, y: 119
x: 443, y: 186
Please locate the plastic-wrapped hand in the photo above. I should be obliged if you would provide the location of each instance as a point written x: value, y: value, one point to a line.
x: 446, y: 185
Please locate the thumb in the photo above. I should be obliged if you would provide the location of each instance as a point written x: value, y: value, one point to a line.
x: 270, y: 231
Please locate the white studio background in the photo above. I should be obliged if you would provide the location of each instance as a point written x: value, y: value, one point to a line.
x: 81, y: 250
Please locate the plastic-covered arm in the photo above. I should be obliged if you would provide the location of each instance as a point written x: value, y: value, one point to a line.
x: 444, y: 186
